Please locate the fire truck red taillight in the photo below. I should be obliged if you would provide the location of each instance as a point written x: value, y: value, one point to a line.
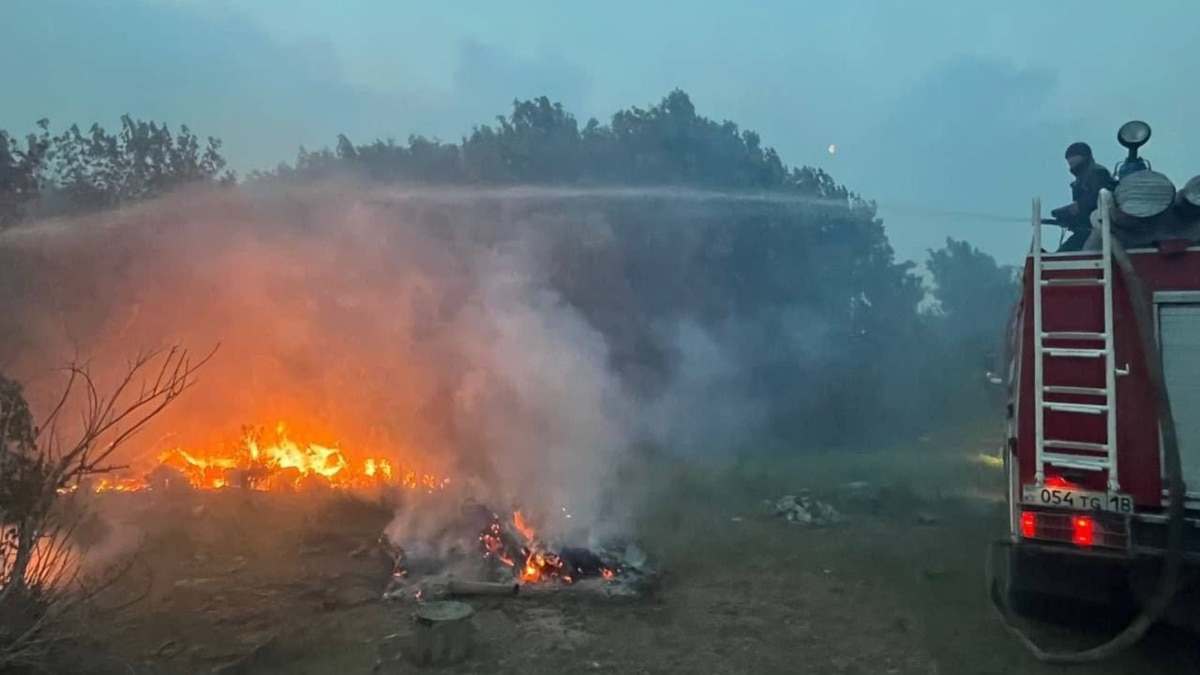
x: 1083, y: 529
x: 1058, y: 482
x: 1028, y: 524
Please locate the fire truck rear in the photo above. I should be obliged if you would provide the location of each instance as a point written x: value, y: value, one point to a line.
x: 1100, y: 403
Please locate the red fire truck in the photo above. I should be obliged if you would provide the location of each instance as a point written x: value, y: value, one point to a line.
x: 1103, y: 377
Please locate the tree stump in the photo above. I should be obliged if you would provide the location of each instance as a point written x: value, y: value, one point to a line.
x: 442, y: 633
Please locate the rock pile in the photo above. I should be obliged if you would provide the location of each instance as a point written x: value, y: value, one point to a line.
x: 802, y: 508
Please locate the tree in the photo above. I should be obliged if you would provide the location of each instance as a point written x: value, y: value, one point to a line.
x: 973, y: 295
x: 75, y: 172
x: 40, y: 471
x: 719, y: 232
x: 143, y: 160
x: 969, y: 287
x: 721, y: 257
x: 541, y: 143
x: 20, y: 173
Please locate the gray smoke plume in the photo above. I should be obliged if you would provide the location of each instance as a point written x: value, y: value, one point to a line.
x: 427, y: 328
x: 428, y: 339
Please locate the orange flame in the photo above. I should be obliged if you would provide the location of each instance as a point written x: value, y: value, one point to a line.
x: 493, y: 544
x: 268, y: 463
x: 540, y: 564
x: 522, y: 527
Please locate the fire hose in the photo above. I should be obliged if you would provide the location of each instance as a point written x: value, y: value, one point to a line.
x: 1164, y: 593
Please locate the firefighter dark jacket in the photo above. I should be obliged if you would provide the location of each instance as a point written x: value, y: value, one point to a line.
x: 1085, y: 192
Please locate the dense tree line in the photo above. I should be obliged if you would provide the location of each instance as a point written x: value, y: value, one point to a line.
x: 802, y: 287
x: 76, y: 172
x: 541, y: 143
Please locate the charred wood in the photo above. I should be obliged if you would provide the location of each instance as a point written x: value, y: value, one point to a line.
x: 581, y: 562
x: 465, y: 588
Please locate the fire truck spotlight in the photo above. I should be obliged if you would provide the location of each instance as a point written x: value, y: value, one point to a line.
x: 1133, y: 135
x: 1028, y: 524
x: 1084, y: 530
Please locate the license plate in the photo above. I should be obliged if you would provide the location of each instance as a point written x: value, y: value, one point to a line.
x: 1077, y: 500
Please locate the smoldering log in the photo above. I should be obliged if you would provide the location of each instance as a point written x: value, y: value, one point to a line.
x: 581, y: 562
x: 475, y: 517
x: 464, y: 588
x: 1144, y: 194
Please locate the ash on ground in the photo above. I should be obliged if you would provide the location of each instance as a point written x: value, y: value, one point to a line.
x: 803, y: 509
x: 481, y: 553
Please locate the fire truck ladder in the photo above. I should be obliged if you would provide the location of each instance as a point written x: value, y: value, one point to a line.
x: 1059, y: 452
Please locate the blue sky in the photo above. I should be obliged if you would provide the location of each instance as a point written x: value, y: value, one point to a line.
x: 937, y: 107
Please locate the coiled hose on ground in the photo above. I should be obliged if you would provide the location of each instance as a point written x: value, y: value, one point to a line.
x: 1164, y: 593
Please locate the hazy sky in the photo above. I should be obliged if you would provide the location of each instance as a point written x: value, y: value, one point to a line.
x: 936, y: 106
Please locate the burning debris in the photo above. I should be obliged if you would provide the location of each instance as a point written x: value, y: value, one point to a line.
x: 484, y: 554
x: 802, y: 508
x: 261, y: 460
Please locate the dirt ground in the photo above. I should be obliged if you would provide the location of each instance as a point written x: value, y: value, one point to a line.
x: 265, y: 584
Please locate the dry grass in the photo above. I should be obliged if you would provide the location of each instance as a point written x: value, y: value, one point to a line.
x: 742, y: 593
x: 931, y: 574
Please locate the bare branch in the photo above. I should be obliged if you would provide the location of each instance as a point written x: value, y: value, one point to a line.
x: 120, y: 417
x: 40, y: 571
x: 62, y: 401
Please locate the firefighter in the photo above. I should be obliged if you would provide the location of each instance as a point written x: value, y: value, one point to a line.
x: 1090, y: 179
